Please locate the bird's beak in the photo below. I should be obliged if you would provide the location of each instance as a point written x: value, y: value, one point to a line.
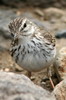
x: 15, y: 37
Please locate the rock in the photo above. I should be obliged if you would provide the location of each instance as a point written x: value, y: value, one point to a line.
x: 61, y: 34
x: 19, y: 87
x: 21, y: 97
x: 39, y: 12
x: 14, y: 3
x: 60, y: 63
x: 2, y: 48
x: 50, y: 13
x: 5, y: 18
x: 60, y: 91
x: 5, y: 34
x: 41, y: 3
x: 63, y: 19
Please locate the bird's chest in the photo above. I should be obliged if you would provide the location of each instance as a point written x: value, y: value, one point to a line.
x: 30, y: 50
x: 32, y: 56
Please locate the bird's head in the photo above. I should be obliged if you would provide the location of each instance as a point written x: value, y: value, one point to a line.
x: 21, y: 28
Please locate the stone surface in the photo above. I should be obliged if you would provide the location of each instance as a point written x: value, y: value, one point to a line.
x: 19, y: 87
x: 60, y: 63
x: 61, y: 34
x: 41, y: 3
x: 60, y: 91
x: 5, y: 18
x: 54, y: 13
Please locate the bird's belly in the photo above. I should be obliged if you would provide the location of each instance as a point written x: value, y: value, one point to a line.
x: 34, y: 62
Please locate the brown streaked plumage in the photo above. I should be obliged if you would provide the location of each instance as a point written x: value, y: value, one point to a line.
x: 15, y: 24
x: 46, y: 34
x: 33, y: 48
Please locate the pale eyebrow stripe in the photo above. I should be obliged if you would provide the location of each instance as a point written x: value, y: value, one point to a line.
x: 22, y: 24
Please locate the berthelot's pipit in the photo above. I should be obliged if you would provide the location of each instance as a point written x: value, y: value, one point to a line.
x: 32, y: 48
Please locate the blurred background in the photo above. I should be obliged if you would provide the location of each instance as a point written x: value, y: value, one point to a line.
x: 49, y: 14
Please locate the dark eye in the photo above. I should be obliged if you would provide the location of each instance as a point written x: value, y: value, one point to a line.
x: 25, y: 25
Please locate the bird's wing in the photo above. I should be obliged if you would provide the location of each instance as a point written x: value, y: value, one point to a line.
x: 47, y: 35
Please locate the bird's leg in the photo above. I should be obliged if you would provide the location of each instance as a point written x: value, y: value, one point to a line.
x: 49, y: 76
x: 29, y: 74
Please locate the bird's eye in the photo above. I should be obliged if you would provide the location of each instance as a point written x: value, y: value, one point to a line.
x: 25, y: 25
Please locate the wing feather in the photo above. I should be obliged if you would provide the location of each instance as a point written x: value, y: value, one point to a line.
x: 47, y: 35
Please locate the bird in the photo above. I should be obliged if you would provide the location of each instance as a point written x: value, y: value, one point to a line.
x: 32, y: 47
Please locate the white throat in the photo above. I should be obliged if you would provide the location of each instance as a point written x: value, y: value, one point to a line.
x: 26, y: 36
x: 30, y: 31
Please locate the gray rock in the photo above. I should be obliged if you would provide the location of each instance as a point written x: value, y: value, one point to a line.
x: 20, y: 3
x: 60, y: 91
x: 2, y: 48
x: 13, y: 3
x: 5, y: 18
x: 19, y: 87
x: 61, y: 34
x: 60, y: 63
x: 53, y: 13
x: 39, y: 12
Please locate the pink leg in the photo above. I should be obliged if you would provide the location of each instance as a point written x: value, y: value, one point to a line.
x: 49, y: 76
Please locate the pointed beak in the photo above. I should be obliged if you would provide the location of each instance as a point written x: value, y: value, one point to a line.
x: 15, y: 37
